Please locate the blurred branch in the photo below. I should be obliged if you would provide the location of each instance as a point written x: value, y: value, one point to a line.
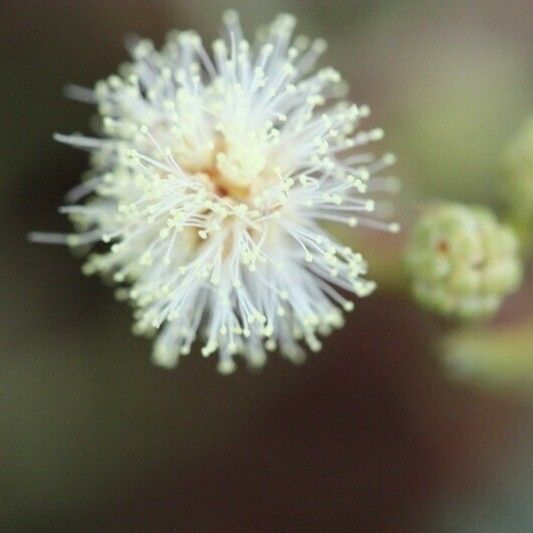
x: 500, y: 358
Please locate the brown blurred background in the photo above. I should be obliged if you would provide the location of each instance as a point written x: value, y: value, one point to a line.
x: 372, y: 434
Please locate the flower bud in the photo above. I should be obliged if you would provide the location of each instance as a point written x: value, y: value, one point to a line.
x: 462, y: 262
x: 518, y: 163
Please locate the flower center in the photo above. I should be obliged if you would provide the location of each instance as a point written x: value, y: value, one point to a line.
x: 233, y: 166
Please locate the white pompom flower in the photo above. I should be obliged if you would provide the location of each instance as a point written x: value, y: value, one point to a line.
x: 211, y: 182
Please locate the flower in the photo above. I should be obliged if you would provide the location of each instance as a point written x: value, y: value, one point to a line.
x: 462, y: 262
x: 209, y: 185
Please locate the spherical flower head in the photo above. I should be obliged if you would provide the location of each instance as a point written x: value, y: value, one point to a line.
x: 462, y: 262
x: 518, y: 162
x: 209, y: 184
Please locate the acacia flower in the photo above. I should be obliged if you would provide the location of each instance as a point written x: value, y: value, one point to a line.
x: 210, y: 181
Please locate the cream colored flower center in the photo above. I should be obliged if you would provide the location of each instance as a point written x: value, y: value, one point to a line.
x: 234, y: 166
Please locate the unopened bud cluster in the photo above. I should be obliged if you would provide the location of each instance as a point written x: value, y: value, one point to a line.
x: 462, y: 262
x: 518, y: 162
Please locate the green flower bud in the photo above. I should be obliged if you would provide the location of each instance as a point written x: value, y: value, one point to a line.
x: 462, y: 262
x: 518, y: 162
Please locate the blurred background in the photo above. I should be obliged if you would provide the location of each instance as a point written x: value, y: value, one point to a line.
x: 377, y: 432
